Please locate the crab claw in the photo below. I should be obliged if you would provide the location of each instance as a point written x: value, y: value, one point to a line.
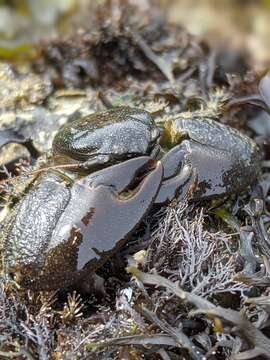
x: 123, y: 176
x: 178, y: 176
x: 112, y: 202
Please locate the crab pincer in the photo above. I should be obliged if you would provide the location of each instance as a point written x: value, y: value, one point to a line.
x: 118, y: 198
x: 178, y: 176
x: 97, y: 214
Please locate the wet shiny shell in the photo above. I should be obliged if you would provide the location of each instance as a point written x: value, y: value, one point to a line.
x: 122, y: 132
x: 225, y: 160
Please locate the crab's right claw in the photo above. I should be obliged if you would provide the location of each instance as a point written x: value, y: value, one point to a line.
x: 118, y: 198
x: 122, y: 177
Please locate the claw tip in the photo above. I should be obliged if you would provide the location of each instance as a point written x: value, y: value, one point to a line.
x: 152, y: 163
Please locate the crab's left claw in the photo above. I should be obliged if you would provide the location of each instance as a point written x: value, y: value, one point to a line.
x: 113, y: 201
